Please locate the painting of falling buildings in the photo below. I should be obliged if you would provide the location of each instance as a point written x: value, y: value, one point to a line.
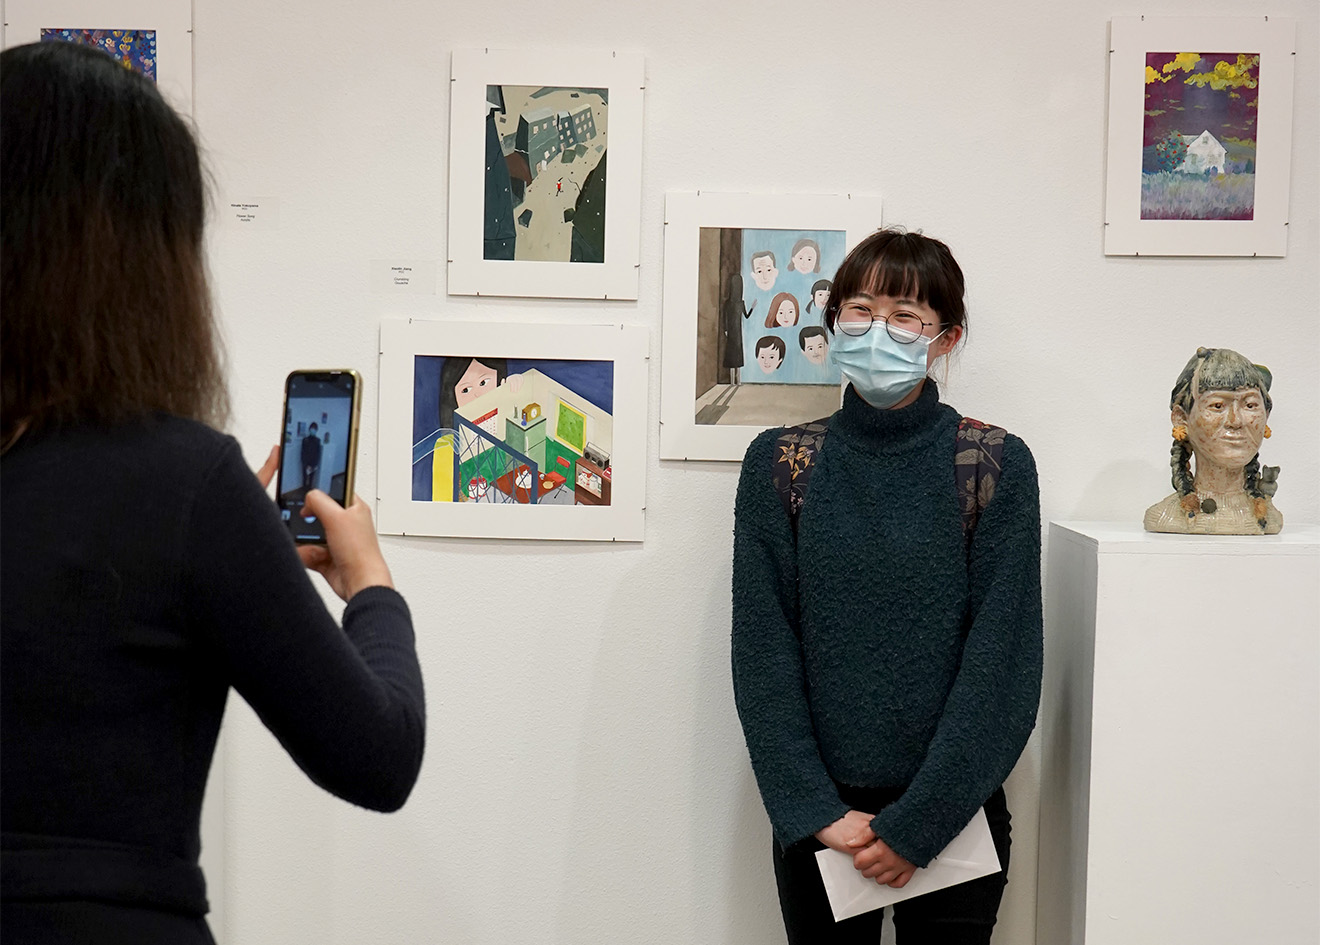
x: 545, y: 173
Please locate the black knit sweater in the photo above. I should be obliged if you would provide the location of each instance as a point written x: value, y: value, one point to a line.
x: 143, y: 571
x: 878, y: 653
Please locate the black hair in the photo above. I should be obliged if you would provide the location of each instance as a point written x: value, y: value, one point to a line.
x: 900, y: 264
x: 107, y: 313
x: 817, y: 286
x: 811, y: 331
x: 772, y: 341
x: 452, y: 372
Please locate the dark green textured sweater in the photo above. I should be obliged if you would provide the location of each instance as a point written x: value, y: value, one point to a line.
x: 878, y: 653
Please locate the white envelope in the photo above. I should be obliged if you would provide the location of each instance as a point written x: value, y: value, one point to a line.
x: 969, y: 855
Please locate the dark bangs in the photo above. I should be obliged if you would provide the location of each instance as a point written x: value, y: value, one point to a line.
x: 902, y: 265
x: 1219, y: 369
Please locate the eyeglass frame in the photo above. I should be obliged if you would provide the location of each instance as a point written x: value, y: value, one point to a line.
x: 889, y: 329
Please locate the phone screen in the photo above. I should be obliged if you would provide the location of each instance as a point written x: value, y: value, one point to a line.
x: 317, y: 452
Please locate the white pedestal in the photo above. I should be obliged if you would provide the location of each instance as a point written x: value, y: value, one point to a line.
x: 1180, y: 794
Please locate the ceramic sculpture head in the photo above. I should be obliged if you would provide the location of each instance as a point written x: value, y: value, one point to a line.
x: 1219, y: 407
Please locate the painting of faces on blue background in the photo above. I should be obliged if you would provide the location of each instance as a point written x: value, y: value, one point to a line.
x: 786, y: 280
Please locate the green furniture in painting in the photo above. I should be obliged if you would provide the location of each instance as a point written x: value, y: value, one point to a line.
x: 528, y: 438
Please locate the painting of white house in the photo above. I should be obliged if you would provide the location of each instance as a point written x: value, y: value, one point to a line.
x: 1199, y: 142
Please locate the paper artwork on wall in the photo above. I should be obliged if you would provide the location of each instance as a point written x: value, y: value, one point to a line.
x: 747, y: 278
x: 545, y: 193
x: 133, y: 49
x: 545, y: 173
x: 1200, y: 136
x: 512, y: 430
x: 152, y: 37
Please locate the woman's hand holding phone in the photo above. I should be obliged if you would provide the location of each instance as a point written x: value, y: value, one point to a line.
x: 350, y: 559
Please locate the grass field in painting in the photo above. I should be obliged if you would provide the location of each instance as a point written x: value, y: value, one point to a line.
x: 1173, y: 195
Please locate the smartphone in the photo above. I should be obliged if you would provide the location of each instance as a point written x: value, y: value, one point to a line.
x: 318, y: 445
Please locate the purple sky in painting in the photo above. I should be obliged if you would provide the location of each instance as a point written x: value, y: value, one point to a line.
x: 1189, y: 110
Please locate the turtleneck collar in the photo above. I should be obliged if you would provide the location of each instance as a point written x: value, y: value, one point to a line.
x: 861, y: 419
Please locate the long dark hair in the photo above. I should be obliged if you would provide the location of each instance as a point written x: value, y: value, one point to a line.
x: 452, y: 371
x: 107, y: 314
x: 899, y: 264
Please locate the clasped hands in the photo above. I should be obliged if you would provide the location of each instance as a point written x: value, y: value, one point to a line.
x: 873, y: 858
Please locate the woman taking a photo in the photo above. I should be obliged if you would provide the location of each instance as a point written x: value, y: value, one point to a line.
x: 144, y: 570
x: 887, y: 619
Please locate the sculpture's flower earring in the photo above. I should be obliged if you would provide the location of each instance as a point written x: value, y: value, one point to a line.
x: 1180, y: 432
x: 1268, y: 431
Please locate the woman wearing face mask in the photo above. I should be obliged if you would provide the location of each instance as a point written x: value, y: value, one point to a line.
x: 886, y: 668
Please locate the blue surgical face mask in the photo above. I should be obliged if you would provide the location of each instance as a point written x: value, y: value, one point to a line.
x: 883, y: 370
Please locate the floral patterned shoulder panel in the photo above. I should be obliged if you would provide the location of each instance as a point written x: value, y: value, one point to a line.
x: 977, y: 458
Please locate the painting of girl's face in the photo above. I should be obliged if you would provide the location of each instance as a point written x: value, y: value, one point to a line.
x: 478, y: 379
x: 786, y: 314
x: 769, y: 359
x: 805, y: 259
x: 821, y: 298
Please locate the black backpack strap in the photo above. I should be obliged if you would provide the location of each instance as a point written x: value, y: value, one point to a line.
x: 977, y: 461
x: 796, y: 450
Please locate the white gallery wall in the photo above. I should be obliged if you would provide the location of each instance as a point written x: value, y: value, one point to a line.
x: 585, y: 777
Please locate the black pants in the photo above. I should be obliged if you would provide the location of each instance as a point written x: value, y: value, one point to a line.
x: 957, y: 915
x: 97, y: 923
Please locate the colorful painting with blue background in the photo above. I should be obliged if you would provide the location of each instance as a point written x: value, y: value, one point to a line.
x: 593, y: 381
x: 134, y: 49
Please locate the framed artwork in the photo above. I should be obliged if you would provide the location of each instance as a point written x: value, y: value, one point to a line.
x: 545, y: 172
x: 501, y: 430
x: 153, y: 37
x: 1200, y: 136
x: 746, y: 280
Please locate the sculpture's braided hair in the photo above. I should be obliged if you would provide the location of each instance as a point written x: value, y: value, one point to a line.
x: 1216, y: 369
x: 1252, y: 473
x: 1181, y: 461
x: 1260, y: 504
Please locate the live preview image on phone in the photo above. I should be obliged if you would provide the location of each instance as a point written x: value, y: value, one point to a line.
x: 317, y: 426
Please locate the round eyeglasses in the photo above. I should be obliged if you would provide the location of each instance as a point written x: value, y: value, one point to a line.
x: 903, y: 327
